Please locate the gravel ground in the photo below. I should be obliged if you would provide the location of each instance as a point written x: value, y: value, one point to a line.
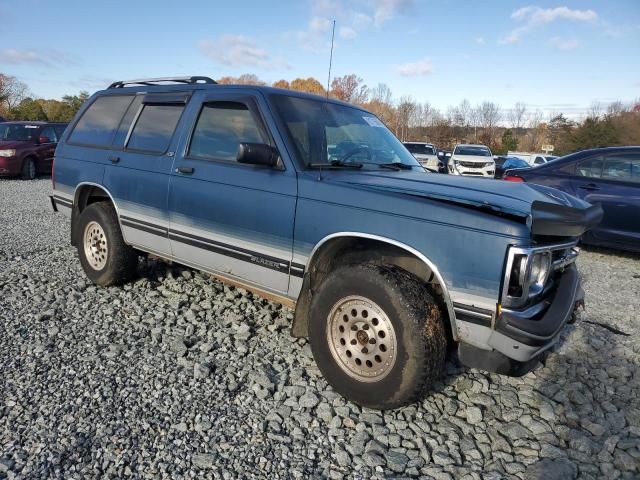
x: 178, y: 376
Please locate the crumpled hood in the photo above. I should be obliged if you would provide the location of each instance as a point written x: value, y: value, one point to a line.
x: 523, y: 200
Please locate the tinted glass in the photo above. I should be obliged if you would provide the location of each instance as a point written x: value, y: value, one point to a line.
x: 99, y: 122
x: 50, y: 133
x: 125, y: 124
x: 591, y: 167
x: 477, y: 151
x: 623, y: 167
x: 420, y: 149
x: 59, y: 130
x: 539, y: 161
x: 221, y: 128
x: 154, y: 128
x: 18, y: 132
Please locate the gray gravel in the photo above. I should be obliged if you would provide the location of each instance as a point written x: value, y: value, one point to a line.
x: 178, y: 376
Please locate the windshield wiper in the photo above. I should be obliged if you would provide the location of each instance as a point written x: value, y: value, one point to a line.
x: 391, y: 165
x: 336, y: 164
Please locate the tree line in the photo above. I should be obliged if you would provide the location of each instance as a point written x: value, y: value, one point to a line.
x: 502, y: 129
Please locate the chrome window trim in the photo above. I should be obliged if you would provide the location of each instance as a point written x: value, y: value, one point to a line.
x: 423, y: 258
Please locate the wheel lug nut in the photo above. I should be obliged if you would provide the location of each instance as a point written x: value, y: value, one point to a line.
x: 354, y: 328
x: 365, y: 327
x: 365, y: 350
x: 372, y: 341
x: 354, y: 341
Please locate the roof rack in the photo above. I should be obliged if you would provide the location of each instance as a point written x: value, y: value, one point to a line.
x: 151, y: 81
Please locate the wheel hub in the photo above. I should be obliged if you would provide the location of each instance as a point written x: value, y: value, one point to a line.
x: 361, y: 338
x: 95, y: 245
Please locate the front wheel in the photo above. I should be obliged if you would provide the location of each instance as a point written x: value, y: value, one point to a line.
x: 105, y: 257
x: 377, y: 335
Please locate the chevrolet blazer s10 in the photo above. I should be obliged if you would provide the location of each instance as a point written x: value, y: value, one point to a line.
x: 386, y: 265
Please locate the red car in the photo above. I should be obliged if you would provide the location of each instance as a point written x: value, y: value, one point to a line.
x: 26, y: 148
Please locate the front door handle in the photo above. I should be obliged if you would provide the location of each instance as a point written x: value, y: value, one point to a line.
x: 590, y: 186
x: 185, y: 170
x: 114, y: 159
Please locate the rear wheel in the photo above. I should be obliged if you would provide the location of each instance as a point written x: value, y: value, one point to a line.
x: 377, y: 335
x: 28, y: 169
x: 105, y: 257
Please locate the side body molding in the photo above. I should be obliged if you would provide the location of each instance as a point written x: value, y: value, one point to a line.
x: 413, y: 251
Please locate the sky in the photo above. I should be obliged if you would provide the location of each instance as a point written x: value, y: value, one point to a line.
x: 556, y: 56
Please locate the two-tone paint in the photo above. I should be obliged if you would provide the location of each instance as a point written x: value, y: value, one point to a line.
x: 262, y: 227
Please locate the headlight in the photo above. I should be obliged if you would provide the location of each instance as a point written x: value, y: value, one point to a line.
x: 540, y: 266
x: 7, y: 153
x: 527, y: 273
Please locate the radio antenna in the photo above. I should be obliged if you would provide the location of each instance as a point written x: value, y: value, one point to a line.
x: 333, y: 32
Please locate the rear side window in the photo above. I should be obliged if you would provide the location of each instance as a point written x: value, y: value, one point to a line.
x: 625, y: 168
x: 100, y: 121
x: 154, y: 128
x: 591, y: 167
x: 220, y: 129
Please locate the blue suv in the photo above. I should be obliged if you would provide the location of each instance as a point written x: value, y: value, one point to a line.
x: 312, y: 202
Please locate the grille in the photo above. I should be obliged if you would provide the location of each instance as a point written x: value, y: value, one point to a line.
x: 474, y: 164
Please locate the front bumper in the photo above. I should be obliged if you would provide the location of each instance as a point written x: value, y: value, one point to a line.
x: 9, y: 166
x: 521, y: 337
x: 487, y: 172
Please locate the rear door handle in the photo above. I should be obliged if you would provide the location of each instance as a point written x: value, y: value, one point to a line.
x: 590, y: 186
x: 186, y: 170
x: 114, y: 159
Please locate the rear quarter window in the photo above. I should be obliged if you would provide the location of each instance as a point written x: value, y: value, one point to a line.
x: 154, y: 128
x: 99, y: 122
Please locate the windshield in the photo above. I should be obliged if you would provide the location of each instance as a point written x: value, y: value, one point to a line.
x: 477, y: 151
x: 515, y: 163
x: 326, y: 133
x: 420, y: 148
x: 18, y: 132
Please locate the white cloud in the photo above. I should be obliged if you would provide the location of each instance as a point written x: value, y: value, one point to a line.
x: 238, y: 50
x: 532, y: 17
x: 479, y: 40
x: 385, y: 10
x: 45, y: 58
x: 563, y: 43
x: 347, y: 33
x: 540, y: 16
x: 414, y: 69
x: 352, y: 18
x: 319, y: 25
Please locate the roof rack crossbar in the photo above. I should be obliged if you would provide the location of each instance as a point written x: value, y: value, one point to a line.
x: 151, y: 81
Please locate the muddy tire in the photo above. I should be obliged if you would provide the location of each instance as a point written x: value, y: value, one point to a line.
x: 377, y: 335
x: 105, y: 257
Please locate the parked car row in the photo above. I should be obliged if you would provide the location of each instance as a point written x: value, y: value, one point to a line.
x: 27, y: 148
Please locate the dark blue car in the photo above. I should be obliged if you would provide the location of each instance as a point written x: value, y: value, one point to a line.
x: 606, y: 176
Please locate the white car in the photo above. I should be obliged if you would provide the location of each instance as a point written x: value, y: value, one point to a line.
x: 472, y: 160
x: 533, y: 159
x: 425, y: 153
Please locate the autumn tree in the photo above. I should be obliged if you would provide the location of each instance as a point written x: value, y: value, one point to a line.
x: 244, y: 79
x: 12, y: 92
x: 309, y: 85
x: 282, y: 84
x: 517, y: 116
x: 350, y: 88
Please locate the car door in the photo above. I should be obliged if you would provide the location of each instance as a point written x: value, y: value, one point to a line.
x: 232, y: 219
x: 46, y: 149
x: 140, y: 165
x: 613, y: 180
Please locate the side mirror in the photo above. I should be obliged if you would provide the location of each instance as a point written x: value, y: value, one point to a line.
x: 257, y: 154
x: 44, y: 139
